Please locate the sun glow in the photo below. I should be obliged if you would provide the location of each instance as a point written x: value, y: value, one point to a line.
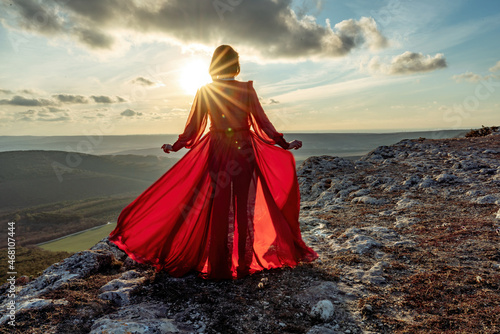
x: 193, y: 75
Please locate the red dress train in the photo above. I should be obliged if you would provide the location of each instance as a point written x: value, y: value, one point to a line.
x: 230, y: 206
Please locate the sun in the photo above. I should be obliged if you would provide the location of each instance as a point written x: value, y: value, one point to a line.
x: 193, y: 75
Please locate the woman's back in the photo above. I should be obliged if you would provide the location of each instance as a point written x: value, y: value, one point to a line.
x: 227, y: 104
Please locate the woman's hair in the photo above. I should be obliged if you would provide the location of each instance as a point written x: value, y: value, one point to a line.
x: 225, y: 63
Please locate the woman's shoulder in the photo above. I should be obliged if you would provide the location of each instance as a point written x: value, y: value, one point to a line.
x: 234, y: 83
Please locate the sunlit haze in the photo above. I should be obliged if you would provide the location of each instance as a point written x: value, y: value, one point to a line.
x: 133, y: 67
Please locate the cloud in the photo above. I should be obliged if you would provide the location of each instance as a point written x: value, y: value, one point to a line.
x: 33, y: 16
x: 143, y: 81
x: 473, y: 77
x: 22, y: 101
x: 269, y: 27
x: 48, y: 114
x: 467, y: 76
x: 95, y: 39
x: 6, y: 91
x: 75, y: 99
x: 107, y: 99
x: 408, y: 63
x: 496, y: 67
x: 58, y: 99
x: 273, y: 101
x: 130, y: 113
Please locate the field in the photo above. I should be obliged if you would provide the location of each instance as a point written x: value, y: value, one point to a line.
x: 79, y: 241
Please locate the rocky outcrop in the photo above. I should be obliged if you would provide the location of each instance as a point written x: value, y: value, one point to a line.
x: 401, y: 217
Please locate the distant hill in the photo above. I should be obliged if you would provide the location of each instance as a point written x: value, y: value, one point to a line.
x: 29, y: 178
x: 50, y: 194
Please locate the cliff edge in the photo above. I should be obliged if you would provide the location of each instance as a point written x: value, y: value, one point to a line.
x: 408, y: 238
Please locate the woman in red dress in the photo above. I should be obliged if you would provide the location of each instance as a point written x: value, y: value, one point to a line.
x: 230, y: 206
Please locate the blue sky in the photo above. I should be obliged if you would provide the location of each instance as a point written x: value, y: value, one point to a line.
x: 72, y: 67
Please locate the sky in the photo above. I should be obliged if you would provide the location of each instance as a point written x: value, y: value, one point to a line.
x: 115, y: 67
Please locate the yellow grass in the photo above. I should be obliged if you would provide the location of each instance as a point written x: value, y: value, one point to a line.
x: 80, y: 241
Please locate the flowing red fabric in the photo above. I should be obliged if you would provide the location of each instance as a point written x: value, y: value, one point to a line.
x: 230, y: 206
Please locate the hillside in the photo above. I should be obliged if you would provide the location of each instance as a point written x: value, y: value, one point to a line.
x: 31, y: 178
x: 408, y: 238
x: 53, y: 193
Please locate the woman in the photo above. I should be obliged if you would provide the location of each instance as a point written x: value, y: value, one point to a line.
x: 230, y: 206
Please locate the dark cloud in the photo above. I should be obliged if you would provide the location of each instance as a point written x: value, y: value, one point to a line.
x: 95, y: 39
x: 143, y: 81
x: 22, y: 101
x: 107, y: 99
x: 102, y: 99
x: 130, y: 112
x: 66, y: 98
x: 273, y: 101
x: 409, y: 63
x: 6, y: 91
x: 37, y: 17
x: 270, y: 27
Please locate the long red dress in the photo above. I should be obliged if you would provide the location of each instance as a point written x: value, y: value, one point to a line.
x: 230, y: 206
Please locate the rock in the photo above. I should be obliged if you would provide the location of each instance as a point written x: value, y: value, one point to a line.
x: 321, y: 329
x: 344, y: 193
x: 412, y: 181
x: 323, y: 309
x: 106, y: 245
x: 119, y: 290
x: 361, y: 244
x: 446, y: 178
x: 360, y: 192
x: 402, y: 222
x: 374, y: 274
x: 144, y: 318
x: 404, y: 243
x: 77, y: 266
x: 30, y: 304
x: 474, y: 193
x: 487, y: 199
x: 426, y: 182
x: 369, y: 200
x: 380, y: 153
x: 406, y: 203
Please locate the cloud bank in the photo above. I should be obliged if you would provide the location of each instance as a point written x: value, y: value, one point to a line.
x: 467, y: 76
x: 59, y: 99
x: 408, y: 63
x: 270, y: 27
x: 474, y: 78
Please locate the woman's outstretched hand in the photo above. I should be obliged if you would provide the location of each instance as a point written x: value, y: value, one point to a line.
x: 295, y: 144
x: 167, y: 148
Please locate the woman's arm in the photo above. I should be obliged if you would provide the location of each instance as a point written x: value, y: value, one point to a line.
x: 261, y: 123
x: 195, y: 124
